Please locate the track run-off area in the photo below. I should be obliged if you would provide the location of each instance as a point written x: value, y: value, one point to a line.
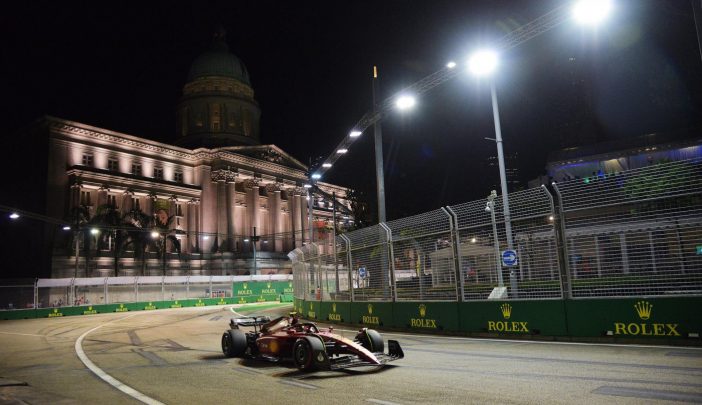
x: 174, y: 357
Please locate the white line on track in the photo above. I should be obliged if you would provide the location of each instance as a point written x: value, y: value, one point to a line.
x: 381, y: 402
x: 535, y: 342
x: 20, y: 334
x: 106, y: 377
x: 298, y: 384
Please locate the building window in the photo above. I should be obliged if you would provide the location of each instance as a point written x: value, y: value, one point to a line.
x: 215, y: 116
x: 179, y: 210
x: 85, y: 198
x: 135, y: 203
x: 87, y: 160
x: 112, y: 200
x: 136, y: 169
x: 112, y: 165
x: 158, y: 173
x: 178, y: 177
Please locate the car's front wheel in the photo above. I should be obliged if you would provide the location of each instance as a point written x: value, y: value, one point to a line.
x: 371, y: 340
x: 302, y: 355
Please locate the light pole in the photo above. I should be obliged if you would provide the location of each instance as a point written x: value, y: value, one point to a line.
x: 484, y: 63
x: 378, y: 141
x: 490, y: 207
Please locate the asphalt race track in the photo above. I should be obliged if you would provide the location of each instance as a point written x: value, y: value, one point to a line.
x: 174, y: 357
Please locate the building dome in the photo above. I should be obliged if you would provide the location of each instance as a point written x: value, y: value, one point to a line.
x: 218, y: 108
x: 218, y: 61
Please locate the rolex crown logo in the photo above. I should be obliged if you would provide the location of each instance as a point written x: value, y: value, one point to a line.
x: 506, y: 310
x: 334, y: 307
x: 370, y: 309
x: 290, y: 284
x: 55, y: 310
x: 311, y: 308
x: 268, y: 285
x: 90, y: 308
x: 643, y: 308
x: 246, y: 286
x: 422, y: 310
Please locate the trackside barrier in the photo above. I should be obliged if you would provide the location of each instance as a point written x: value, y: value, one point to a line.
x: 108, y: 295
x: 662, y: 319
x: 618, y: 254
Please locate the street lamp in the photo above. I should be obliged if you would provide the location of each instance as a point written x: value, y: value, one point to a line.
x: 483, y: 63
x: 591, y: 12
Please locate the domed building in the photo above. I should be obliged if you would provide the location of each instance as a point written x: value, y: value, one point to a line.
x: 218, y: 107
x: 215, y: 202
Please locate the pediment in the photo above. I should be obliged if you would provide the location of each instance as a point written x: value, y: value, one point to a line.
x: 267, y: 153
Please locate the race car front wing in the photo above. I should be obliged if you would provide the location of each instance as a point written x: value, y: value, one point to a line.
x: 347, y: 361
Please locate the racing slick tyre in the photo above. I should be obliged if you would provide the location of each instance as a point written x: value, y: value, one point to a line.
x: 309, y: 354
x: 233, y: 343
x: 371, y: 340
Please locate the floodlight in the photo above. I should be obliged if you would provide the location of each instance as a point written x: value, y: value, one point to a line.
x: 405, y: 102
x: 591, y: 12
x: 483, y: 62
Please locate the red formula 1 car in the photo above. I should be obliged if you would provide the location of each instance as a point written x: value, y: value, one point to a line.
x: 310, y: 347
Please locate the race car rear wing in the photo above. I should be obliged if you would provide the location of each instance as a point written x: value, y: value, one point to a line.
x: 249, y: 321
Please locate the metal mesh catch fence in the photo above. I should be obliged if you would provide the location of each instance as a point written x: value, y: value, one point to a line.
x: 423, y: 259
x: 67, y: 292
x: 485, y: 234
x: 369, y: 259
x: 637, y: 232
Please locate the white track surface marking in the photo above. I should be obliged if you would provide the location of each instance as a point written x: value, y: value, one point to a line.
x: 20, y: 334
x: 106, y: 377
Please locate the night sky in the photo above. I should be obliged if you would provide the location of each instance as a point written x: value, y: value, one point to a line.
x: 122, y: 67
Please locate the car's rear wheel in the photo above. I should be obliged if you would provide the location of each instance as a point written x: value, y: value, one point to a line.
x: 233, y: 343
x: 371, y: 340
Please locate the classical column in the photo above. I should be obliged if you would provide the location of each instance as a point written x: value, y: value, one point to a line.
x: 225, y: 205
x: 149, y: 204
x: 304, y: 216
x: 173, y: 207
x: 102, y: 196
x: 191, y: 231
x: 294, y: 201
x: 127, y: 201
x: 276, y: 242
x: 253, y: 206
x: 231, y: 202
x: 75, y: 194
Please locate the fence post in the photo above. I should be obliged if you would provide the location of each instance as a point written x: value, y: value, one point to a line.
x: 36, y: 293
x: 455, y: 251
x: 72, y: 291
x: 107, y: 298
x: 391, y: 261
x: 562, y: 240
x: 348, y: 259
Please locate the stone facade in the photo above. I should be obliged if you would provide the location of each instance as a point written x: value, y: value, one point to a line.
x: 210, y: 192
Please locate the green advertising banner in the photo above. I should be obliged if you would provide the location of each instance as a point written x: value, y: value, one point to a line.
x: 372, y: 313
x: 543, y: 317
x: 310, y: 310
x: 18, y: 314
x: 426, y: 316
x: 298, y: 305
x: 636, y: 317
x: 265, y: 288
x: 337, y: 312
